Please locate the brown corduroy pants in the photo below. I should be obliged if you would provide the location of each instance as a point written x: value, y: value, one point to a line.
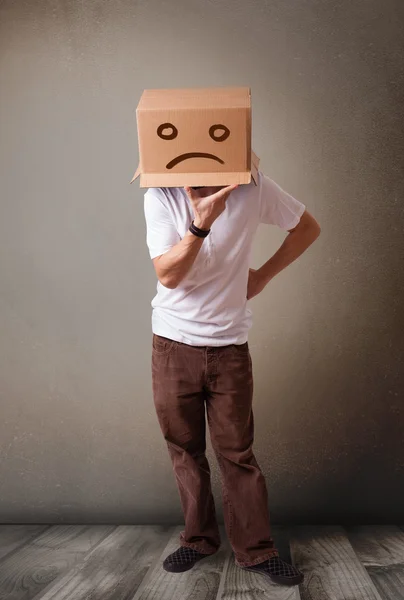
x: 184, y: 379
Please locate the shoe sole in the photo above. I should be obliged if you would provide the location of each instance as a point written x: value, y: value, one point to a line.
x: 181, y: 568
x: 178, y: 569
x: 277, y: 578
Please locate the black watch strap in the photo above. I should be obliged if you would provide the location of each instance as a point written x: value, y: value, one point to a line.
x: 198, y: 232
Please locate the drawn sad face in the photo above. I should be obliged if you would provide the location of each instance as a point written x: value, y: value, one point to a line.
x: 197, y: 143
x: 218, y: 133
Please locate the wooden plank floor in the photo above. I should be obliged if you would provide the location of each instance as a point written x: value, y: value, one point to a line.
x: 124, y: 562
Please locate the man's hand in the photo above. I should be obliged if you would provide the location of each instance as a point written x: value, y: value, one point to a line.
x: 256, y: 283
x: 208, y: 208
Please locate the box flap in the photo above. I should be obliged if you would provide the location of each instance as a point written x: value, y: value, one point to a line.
x: 255, y: 161
x: 137, y: 173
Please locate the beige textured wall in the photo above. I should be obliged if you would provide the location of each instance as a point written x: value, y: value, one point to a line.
x: 79, y: 437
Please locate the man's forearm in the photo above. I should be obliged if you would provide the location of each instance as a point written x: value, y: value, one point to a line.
x: 172, y: 266
x: 295, y: 243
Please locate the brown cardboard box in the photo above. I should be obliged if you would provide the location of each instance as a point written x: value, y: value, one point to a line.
x: 195, y: 137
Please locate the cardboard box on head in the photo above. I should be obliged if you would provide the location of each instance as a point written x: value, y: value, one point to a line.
x: 195, y: 137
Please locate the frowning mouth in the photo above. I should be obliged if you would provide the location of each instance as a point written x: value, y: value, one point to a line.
x: 182, y: 157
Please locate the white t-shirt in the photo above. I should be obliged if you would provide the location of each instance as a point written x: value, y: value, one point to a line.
x: 209, y: 307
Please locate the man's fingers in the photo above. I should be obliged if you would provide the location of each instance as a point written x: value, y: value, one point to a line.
x: 224, y: 193
x: 228, y: 188
x: 220, y: 195
x: 189, y: 192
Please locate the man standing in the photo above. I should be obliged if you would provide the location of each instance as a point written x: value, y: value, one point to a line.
x: 200, y: 242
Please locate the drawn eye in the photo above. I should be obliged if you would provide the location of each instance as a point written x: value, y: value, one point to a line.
x: 167, y: 136
x: 221, y: 137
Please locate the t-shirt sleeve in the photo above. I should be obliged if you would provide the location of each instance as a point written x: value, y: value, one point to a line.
x: 277, y: 207
x: 161, y: 234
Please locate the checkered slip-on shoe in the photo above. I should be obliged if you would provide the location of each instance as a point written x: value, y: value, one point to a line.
x: 182, y: 559
x: 278, y: 571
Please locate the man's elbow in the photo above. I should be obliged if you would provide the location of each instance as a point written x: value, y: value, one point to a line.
x: 309, y: 225
x: 312, y: 232
x: 316, y: 230
x: 164, y: 276
x: 168, y: 282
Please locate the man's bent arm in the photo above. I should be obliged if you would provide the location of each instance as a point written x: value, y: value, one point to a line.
x: 295, y: 243
x: 172, y: 266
